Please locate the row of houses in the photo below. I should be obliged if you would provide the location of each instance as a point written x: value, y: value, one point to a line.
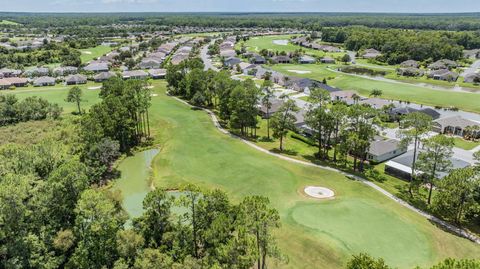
x: 304, y: 42
x: 439, y: 70
x: 227, y: 47
x: 7, y: 83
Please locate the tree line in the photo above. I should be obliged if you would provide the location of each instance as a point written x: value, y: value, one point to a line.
x: 399, y: 45
x: 13, y: 110
x: 309, y: 21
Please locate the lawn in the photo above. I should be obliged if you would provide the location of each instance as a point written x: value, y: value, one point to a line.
x: 313, y: 232
x: 256, y: 44
x: 94, y: 52
x: 396, y: 91
x: 7, y: 22
x: 58, y: 94
x: 465, y: 144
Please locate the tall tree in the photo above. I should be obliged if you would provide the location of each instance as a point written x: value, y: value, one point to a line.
x: 414, y: 126
x: 98, y: 219
x: 456, y: 194
x: 266, y: 102
x: 261, y: 220
x: 284, y: 120
x: 435, y: 159
x: 75, y: 96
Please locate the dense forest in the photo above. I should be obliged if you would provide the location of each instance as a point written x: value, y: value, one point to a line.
x: 308, y: 21
x: 400, y: 45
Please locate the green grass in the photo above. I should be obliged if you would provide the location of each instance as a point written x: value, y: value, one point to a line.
x: 465, y: 144
x: 405, y: 92
x: 313, y: 232
x: 7, y: 22
x: 58, y: 94
x: 256, y: 44
x: 94, y: 52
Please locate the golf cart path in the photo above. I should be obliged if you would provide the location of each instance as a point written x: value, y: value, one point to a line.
x: 446, y: 225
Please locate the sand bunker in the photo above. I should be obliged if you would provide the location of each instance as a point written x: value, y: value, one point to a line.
x: 319, y: 192
x: 153, y: 94
x: 280, y: 42
x: 86, y: 52
x: 300, y: 71
x: 95, y: 87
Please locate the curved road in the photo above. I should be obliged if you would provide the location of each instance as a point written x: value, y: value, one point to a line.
x: 206, y: 58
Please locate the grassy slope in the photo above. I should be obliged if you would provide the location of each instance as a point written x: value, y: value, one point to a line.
x: 58, y: 94
x: 256, y: 44
x: 95, y: 53
x: 313, y: 232
x: 6, y: 22
x: 412, y: 93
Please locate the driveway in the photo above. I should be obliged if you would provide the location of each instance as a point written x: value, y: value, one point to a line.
x: 472, y: 69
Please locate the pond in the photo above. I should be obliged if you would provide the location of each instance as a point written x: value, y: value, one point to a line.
x: 134, y: 181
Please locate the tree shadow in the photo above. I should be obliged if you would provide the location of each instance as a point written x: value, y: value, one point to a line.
x: 285, y: 151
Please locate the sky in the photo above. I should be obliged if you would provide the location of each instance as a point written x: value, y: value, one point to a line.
x: 397, y: 6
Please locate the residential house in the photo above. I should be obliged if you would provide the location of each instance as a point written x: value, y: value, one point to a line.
x: 178, y: 58
x: 371, y: 54
x: 305, y: 59
x: 228, y: 53
x: 245, y: 66
x: 157, y: 73
x: 231, y: 62
x: 443, y: 74
x: 100, y: 77
x: 443, y: 64
x: 6, y: 73
x: 384, y: 149
x: 472, y: 78
x: 401, y: 166
x: 257, y: 59
x: 410, y: 64
x: 281, y: 59
x: 37, y: 72
x: 343, y: 96
x: 410, y: 72
x: 6, y: 83
x: 455, y: 125
x: 275, y: 105
x: 44, y: 81
x: 327, y: 60
x: 149, y: 63
x: 97, y: 67
x: 376, y: 103
x: 396, y: 113
x: 75, y: 79
x: 65, y: 70
x: 134, y: 74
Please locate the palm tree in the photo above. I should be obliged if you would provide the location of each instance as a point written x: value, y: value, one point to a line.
x: 355, y: 98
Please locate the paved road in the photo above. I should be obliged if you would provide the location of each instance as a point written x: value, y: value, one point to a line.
x: 472, y: 69
x: 207, y: 61
x: 440, y: 222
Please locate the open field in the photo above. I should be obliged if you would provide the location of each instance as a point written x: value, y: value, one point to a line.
x: 58, y: 94
x: 7, y: 22
x: 94, y: 52
x: 405, y: 92
x: 313, y: 232
x: 256, y: 44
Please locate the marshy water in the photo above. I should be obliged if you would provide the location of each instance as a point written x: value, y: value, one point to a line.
x: 134, y: 181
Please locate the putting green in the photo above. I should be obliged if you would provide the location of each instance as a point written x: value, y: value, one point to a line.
x: 358, y: 225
